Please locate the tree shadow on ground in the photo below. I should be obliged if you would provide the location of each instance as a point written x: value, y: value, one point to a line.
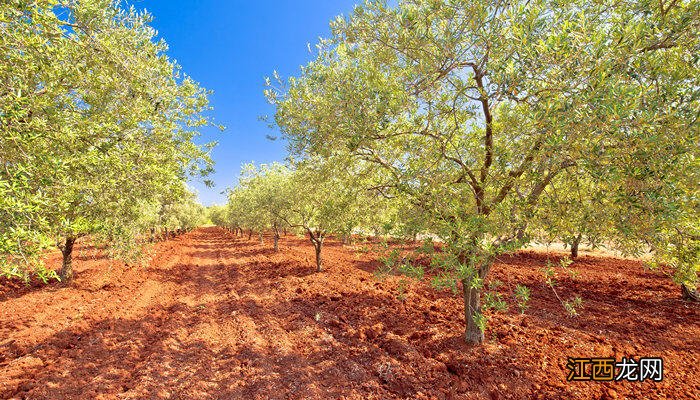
x: 273, y: 331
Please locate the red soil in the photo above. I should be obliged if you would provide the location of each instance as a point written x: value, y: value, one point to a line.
x: 215, y: 316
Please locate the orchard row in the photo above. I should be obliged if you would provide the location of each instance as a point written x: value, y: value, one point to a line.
x: 490, y: 125
x: 96, y: 128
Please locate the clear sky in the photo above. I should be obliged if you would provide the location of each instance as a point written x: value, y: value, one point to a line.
x: 230, y: 47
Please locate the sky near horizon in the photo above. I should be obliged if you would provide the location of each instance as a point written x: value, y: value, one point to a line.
x: 230, y: 47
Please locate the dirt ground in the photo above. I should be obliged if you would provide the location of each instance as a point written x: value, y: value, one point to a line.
x: 215, y: 316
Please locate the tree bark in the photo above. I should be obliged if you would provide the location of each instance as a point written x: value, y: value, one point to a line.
x: 318, y: 245
x: 472, y: 306
x: 250, y: 234
x: 260, y: 236
x: 277, y: 239
x: 691, y: 295
x: 317, y: 241
x: 574, y: 246
x: 66, y: 272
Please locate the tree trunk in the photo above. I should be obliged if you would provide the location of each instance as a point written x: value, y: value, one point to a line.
x: 574, y: 246
x: 317, y: 241
x: 691, y: 295
x: 318, y: 245
x: 260, y: 236
x: 277, y: 239
x: 66, y: 272
x: 250, y: 234
x: 472, y: 306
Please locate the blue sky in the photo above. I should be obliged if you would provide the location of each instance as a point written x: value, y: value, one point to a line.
x: 230, y: 47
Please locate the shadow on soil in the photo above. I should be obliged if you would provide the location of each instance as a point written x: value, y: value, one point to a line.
x: 309, y: 345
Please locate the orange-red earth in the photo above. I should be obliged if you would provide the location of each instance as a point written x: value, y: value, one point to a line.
x: 218, y: 316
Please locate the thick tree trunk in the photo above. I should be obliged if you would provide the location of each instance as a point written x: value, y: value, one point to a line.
x: 276, y: 238
x: 66, y: 272
x: 691, y: 295
x: 472, y: 306
x: 574, y: 246
x: 260, y: 236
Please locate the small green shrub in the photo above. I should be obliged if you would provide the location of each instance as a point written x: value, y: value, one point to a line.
x: 412, y: 271
x: 493, y: 300
x: 522, y: 297
x: 572, y: 306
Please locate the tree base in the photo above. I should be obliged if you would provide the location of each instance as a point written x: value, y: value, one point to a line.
x: 474, y: 337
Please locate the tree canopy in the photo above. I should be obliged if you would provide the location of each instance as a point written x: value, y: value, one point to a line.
x: 474, y: 109
x: 95, y: 120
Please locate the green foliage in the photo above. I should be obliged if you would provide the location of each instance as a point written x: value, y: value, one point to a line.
x: 675, y: 241
x: 494, y: 301
x: 427, y: 247
x: 444, y: 281
x: 183, y: 213
x: 364, y: 249
x: 391, y: 260
x: 577, y: 207
x: 45, y: 274
x: 522, y: 297
x: 550, y: 275
x: 382, y: 272
x: 490, y: 117
x: 481, y: 321
x: 573, y: 305
x: 217, y: 215
x: 263, y: 199
x: 409, y: 269
x: 96, y: 124
x: 551, y: 270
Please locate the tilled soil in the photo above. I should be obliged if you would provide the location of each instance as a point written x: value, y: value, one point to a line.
x: 218, y: 316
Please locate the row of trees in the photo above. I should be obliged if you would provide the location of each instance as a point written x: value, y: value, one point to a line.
x: 97, y: 130
x: 494, y: 124
x: 314, y: 198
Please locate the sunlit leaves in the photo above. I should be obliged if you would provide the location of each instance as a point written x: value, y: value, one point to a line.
x: 95, y: 120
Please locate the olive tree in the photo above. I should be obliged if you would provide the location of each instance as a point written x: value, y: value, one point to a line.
x: 217, y: 215
x: 268, y: 196
x: 322, y: 201
x: 96, y: 121
x: 574, y: 211
x: 473, y: 109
